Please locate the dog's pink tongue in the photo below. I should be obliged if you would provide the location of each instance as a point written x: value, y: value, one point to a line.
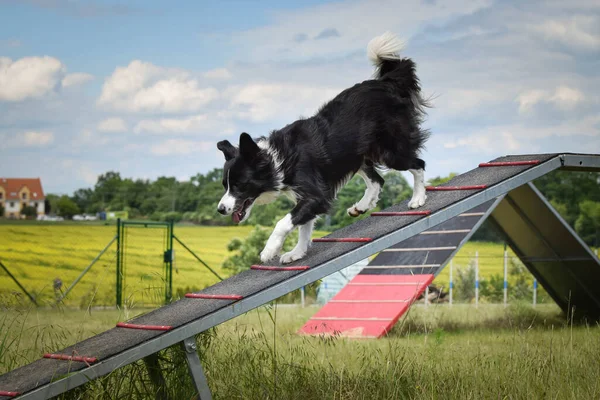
x: 236, y: 217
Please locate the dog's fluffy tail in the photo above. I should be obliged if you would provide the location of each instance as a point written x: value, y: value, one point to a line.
x: 383, y: 49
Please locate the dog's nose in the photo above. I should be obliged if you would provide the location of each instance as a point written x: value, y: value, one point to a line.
x: 221, y: 209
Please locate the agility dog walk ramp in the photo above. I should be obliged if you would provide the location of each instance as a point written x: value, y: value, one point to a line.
x: 561, y: 262
x: 179, y: 322
x: 375, y: 299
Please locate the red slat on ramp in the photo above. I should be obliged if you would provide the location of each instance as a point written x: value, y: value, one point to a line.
x: 368, y: 306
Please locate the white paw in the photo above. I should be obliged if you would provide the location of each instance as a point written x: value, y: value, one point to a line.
x: 417, y: 200
x: 292, y: 256
x: 268, y: 254
x: 354, y: 211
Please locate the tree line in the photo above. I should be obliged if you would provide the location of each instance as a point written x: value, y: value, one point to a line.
x: 576, y: 195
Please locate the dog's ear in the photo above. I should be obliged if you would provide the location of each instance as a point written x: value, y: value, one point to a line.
x: 227, y: 148
x: 248, y: 147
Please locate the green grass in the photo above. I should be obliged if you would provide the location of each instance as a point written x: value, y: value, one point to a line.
x: 457, y: 352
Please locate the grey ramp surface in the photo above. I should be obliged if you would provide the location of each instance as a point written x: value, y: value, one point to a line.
x: 423, y: 260
x: 117, y: 340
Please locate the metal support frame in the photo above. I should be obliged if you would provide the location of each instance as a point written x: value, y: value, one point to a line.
x: 18, y: 283
x: 85, y: 271
x: 195, y: 367
x: 156, y: 376
x: 547, y: 245
x: 297, y: 281
x: 196, y: 257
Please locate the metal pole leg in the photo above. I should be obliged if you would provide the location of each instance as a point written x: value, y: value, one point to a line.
x: 195, y: 367
x: 156, y: 376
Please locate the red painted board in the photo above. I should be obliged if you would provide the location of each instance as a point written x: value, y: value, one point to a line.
x: 351, y: 292
x: 399, y: 213
x: 452, y: 188
x: 509, y: 163
x: 144, y: 327
x: 359, y: 310
x: 277, y: 268
x: 89, y: 360
x: 368, y: 306
x: 342, y: 240
x: 350, y: 329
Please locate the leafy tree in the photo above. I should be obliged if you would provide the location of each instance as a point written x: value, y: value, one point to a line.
x: 29, y: 211
x: 587, y: 224
x: 51, y: 203
x: 247, y: 252
x: 67, y: 207
x: 465, y: 283
x: 1, y: 210
x: 493, y: 289
x: 570, y: 189
x: 519, y: 288
x: 439, y: 180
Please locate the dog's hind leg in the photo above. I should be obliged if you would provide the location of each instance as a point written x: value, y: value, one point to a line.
x: 304, y: 237
x: 374, y: 183
x: 418, y: 172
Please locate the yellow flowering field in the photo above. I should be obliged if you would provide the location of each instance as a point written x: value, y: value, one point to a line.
x: 37, y: 254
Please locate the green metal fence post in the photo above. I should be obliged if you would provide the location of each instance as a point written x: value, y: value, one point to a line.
x: 169, y: 264
x: 119, y: 299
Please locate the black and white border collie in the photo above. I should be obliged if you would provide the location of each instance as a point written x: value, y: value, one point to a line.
x: 375, y: 123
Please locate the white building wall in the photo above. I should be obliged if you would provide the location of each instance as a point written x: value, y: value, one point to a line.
x: 16, y: 206
x: 40, y: 206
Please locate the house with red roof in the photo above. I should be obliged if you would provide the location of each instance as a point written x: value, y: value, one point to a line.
x: 17, y: 193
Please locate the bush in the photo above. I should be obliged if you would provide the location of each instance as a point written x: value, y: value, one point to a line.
x: 29, y: 212
x: 465, y: 283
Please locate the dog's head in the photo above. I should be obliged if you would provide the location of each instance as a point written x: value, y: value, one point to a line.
x: 248, y: 173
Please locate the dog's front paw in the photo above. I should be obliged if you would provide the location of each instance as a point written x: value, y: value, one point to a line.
x: 268, y: 254
x: 354, y: 211
x: 292, y: 256
x: 417, y: 200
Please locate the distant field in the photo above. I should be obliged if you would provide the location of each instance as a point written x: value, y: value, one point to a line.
x: 38, y: 253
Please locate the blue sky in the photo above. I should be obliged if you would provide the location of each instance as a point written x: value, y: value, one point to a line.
x: 149, y: 87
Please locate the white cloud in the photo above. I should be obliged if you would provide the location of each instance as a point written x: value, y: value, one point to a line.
x: 77, y: 78
x: 194, y: 124
x: 29, y: 77
x: 180, y: 147
x: 112, y: 125
x: 26, y: 139
x: 260, y: 102
x: 500, y: 139
x: 144, y: 87
x: 566, y: 98
x: 563, y: 97
x: 37, y: 139
x: 530, y: 98
x: 218, y: 73
x: 580, y: 31
x: 82, y: 170
x: 279, y: 40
